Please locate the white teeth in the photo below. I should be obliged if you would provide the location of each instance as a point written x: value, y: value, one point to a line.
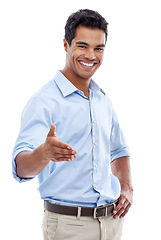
x: 87, y: 64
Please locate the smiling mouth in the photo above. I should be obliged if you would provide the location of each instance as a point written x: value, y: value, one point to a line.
x: 86, y: 64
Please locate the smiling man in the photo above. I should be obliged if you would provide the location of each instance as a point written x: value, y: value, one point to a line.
x: 84, y: 56
x: 71, y: 139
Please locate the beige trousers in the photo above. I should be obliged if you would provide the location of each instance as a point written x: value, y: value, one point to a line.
x: 63, y: 227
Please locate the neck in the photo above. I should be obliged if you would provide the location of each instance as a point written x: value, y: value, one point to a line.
x: 80, y: 83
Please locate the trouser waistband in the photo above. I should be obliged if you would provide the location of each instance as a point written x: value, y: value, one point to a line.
x: 97, y: 212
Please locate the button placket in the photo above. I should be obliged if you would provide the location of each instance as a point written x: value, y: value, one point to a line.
x: 94, y: 143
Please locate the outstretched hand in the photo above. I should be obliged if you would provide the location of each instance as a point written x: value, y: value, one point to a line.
x: 56, y: 150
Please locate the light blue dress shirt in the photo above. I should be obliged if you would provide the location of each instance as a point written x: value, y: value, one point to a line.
x: 90, y: 126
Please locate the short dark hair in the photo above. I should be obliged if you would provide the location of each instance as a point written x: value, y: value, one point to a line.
x: 87, y: 18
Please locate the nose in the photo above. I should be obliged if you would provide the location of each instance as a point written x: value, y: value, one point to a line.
x: 90, y: 54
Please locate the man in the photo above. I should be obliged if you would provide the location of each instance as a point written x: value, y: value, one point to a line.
x: 70, y: 137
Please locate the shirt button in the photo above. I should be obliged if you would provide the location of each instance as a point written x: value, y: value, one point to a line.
x: 94, y: 122
x: 95, y: 165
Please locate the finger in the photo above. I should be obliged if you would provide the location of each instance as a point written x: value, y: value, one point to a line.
x: 57, y: 156
x: 63, y: 151
x: 61, y: 145
x: 67, y: 159
x: 55, y: 141
x: 52, y: 132
x: 122, y: 208
x: 62, y: 159
x: 125, y: 211
x: 119, y: 207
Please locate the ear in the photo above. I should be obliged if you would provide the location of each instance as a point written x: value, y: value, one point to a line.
x: 65, y: 44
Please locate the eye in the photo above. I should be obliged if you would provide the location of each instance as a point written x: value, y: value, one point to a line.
x: 82, y: 46
x: 99, y: 49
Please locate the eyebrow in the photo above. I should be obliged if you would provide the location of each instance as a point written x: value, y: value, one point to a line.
x: 101, y: 45
x: 84, y: 43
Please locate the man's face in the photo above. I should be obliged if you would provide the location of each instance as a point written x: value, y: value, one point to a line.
x: 85, y: 54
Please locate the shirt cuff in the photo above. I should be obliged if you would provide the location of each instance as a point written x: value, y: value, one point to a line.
x: 123, y: 152
x: 14, y: 167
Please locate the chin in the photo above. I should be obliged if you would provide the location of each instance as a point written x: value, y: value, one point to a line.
x: 86, y: 75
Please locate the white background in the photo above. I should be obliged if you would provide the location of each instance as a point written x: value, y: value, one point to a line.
x: 31, y: 51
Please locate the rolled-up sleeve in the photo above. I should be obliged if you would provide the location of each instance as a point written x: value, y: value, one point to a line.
x: 118, y: 146
x: 35, y: 124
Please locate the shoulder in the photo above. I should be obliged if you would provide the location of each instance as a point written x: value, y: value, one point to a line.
x: 46, y: 91
x: 51, y: 90
x: 44, y: 99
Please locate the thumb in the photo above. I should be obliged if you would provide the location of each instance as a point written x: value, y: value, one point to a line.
x: 52, y: 132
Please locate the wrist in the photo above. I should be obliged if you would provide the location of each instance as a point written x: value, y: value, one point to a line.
x: 42, y: 152
x: 126, y: 185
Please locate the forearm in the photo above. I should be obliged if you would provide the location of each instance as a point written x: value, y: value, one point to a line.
x: 121, y: 169
x: 30, y: 164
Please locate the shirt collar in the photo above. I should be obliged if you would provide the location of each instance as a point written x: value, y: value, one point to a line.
x: 67, y: 88
x: 94, y: 87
